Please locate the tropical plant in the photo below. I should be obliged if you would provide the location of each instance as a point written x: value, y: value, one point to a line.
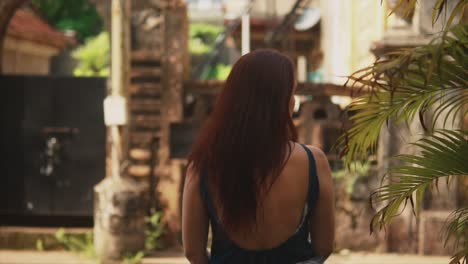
x: 79, y: 16
x: 154, y: 231
x: 93, y: 57
x: 202, y: 37
x: 133, y: 258
x: 411, y: 84
x: 350, y: 177
x: 82, y: 244
x: 219, y: 72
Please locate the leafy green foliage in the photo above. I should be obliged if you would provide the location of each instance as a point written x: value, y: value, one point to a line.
x: 219, y: 72
x: 349, y: 177
x: 93, y: 57
x: 82, y: 244
x: 443, y: 154
x: 154, y: 231
x: 39, y: 245
x: 406, y: 86
x: 457, y: 230
x: 77, y: 15
x: 202, y: 36
x: 407, y: 7
x: 131, y: 258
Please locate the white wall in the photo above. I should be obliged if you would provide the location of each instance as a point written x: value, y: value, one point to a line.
x: 262, y: 8
x: 26, y: 57
x: 349, y: 27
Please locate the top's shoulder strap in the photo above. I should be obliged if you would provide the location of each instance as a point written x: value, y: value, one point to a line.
x: 313, y: 192
x: 205, y: 194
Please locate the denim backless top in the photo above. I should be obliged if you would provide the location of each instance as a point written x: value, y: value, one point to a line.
x: 296, y: 249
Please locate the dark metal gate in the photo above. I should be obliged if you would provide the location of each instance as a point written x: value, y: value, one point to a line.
x: 52, y: 145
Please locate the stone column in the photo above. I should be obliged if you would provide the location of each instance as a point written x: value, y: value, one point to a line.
x: 120, y: 201
x: 175, y: 65
x: 402, y: 233
x: 160, y: 62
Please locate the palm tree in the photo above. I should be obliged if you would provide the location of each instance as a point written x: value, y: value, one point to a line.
x: 404, y: 87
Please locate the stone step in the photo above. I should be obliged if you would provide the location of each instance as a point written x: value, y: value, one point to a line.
x: 139, y: 111
x: 149, y: 90
x: 30, y: 238
x: 142, y: 119
x: 149, y: 105
x: 149, y: 128
x: 142, y: 139
x: 139, y: 170
x: 145, y: 55
x: 140, y: 72
x: 140, y: 154
x: 145, y: 75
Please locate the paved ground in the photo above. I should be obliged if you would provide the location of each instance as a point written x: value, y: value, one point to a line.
x: 59, y: 257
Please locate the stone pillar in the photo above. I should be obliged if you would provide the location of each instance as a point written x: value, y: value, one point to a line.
x: 120, y: 201
x: 120, y: 207
x: 403, y: 231
x: 159, y: 66
x: 175, y: 62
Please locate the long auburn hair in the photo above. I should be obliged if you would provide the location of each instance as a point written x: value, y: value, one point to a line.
x: 244, y: 144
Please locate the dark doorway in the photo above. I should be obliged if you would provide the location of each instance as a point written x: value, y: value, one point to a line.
x: 52, y: 146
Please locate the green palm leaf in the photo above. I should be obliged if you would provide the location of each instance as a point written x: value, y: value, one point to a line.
x: 407, y: 7
x: 407, y: 86
x: 442, y: 155
x: 411, y: 84
x: 457, y: 230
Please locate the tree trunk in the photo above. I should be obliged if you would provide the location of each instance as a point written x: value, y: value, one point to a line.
x: 7, y: 10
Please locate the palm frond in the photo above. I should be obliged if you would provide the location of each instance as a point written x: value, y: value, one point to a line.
x: 409, y: 83
x: 442, y: 154
x: 403, y: 7
x: 405, y: 87
x: 457, y: 230
x: 406, y: 7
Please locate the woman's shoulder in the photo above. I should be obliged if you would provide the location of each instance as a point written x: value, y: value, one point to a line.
x: 318, y: 154
x: 321, y: 161
x: 192, y: 178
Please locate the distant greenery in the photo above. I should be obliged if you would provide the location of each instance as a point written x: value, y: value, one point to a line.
x: 93, y: 57
x: 83, y: 244
x: 202, y: 37
x: 40, y: 245
x: 79, y: 16
x: 133, y: 258
x: 219, y: 72
x: 154, y: 231
x: 350, y: 176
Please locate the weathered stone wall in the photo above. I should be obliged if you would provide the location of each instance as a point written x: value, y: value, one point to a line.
x: 402, y: 234
x: 353, y: 213
x: 159, y: 60
x: 408, y: 234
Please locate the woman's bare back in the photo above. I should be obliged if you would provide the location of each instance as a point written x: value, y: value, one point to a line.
x: 282, y: 209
